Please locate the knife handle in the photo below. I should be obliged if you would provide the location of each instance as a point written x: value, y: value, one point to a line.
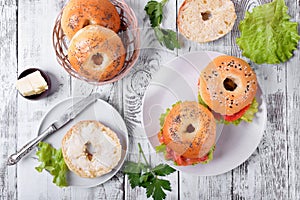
x: 14, y: 158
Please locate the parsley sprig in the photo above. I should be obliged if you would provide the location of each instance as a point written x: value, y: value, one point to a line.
x: 142, y: 175
x: 166, y: 37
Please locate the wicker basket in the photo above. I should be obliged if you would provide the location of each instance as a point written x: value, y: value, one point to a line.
x: 129, y: 33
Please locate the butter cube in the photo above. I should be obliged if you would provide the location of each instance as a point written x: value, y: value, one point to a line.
x: 24, y: 87
x: 32, y: 84
x: 38, y: 82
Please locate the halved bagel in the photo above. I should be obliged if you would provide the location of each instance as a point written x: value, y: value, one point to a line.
x: 91, y: 149
x: 206, y: 20
x: 96, y: 53
x: 79, y: 13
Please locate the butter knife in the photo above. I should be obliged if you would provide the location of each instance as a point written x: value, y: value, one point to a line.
x: 68, y: 115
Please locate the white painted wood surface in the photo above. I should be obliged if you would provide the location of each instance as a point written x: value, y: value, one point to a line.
x: 272, y: 172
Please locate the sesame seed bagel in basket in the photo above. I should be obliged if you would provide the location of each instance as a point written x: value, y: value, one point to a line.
x: 206, y: 20
x: 96, y: 41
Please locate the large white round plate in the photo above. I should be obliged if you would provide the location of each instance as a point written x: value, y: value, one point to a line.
x: 177, y: 80
x: 100, y: 111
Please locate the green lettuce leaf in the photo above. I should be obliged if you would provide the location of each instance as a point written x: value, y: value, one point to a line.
x: 163, y: 115
x: 163, y: 149
x: 247, y: 117
x: 201, y: 101
x: 267, y: 34
x: 210, y: 155
x: 52, y: 160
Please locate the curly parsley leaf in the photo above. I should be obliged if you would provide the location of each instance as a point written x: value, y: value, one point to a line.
x: 143, y: 175
x: 157, y: 187
x: 163, y: 170
x: 166, y: 37
x: 154, y: 10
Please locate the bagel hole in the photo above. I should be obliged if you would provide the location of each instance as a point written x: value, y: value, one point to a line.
x: 190, y: 128
x: 89, y: 151
x: 229, y: 84
x: 86, y: 23
x: 97, y: 59
x: 206, y: 15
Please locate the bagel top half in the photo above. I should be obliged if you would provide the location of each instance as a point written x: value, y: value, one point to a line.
x: 227, y: 85
x: 79, y: 13
x: 97, y: 53
x: 189, y: 130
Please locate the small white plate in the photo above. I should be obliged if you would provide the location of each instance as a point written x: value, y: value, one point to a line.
x: 177, y: 81
x: 100, y: 111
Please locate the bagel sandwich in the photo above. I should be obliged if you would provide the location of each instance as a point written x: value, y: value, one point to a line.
x: 228, y: 86
x: 188, y: 134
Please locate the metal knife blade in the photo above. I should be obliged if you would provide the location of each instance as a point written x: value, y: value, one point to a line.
x: 68, y: 115
x: 74, y: 110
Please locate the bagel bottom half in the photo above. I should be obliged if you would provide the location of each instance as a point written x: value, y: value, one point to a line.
x: 189, y: 133
x: 91, y: 149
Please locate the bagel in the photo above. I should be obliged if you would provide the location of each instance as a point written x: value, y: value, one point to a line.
x: 79, y: 13
x: 91, y: 149
x: 206, y: 20
x: 227, y: 85
x: 189, y: 130
x: 96, y: 53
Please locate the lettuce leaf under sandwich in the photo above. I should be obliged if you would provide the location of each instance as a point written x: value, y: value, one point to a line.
x: 181, y: 161
x: 247, y: 116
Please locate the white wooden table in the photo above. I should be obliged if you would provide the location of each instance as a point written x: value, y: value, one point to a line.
x: 272, y: 172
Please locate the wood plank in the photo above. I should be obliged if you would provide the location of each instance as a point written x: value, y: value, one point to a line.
x: 65, y: 87
x: 215, y: 187
x: 263, y: 175
x: 112, y: 189
x: 36, y: 20
x: 134, y: 85
x: 8, y: 107
x: 293, y: 112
